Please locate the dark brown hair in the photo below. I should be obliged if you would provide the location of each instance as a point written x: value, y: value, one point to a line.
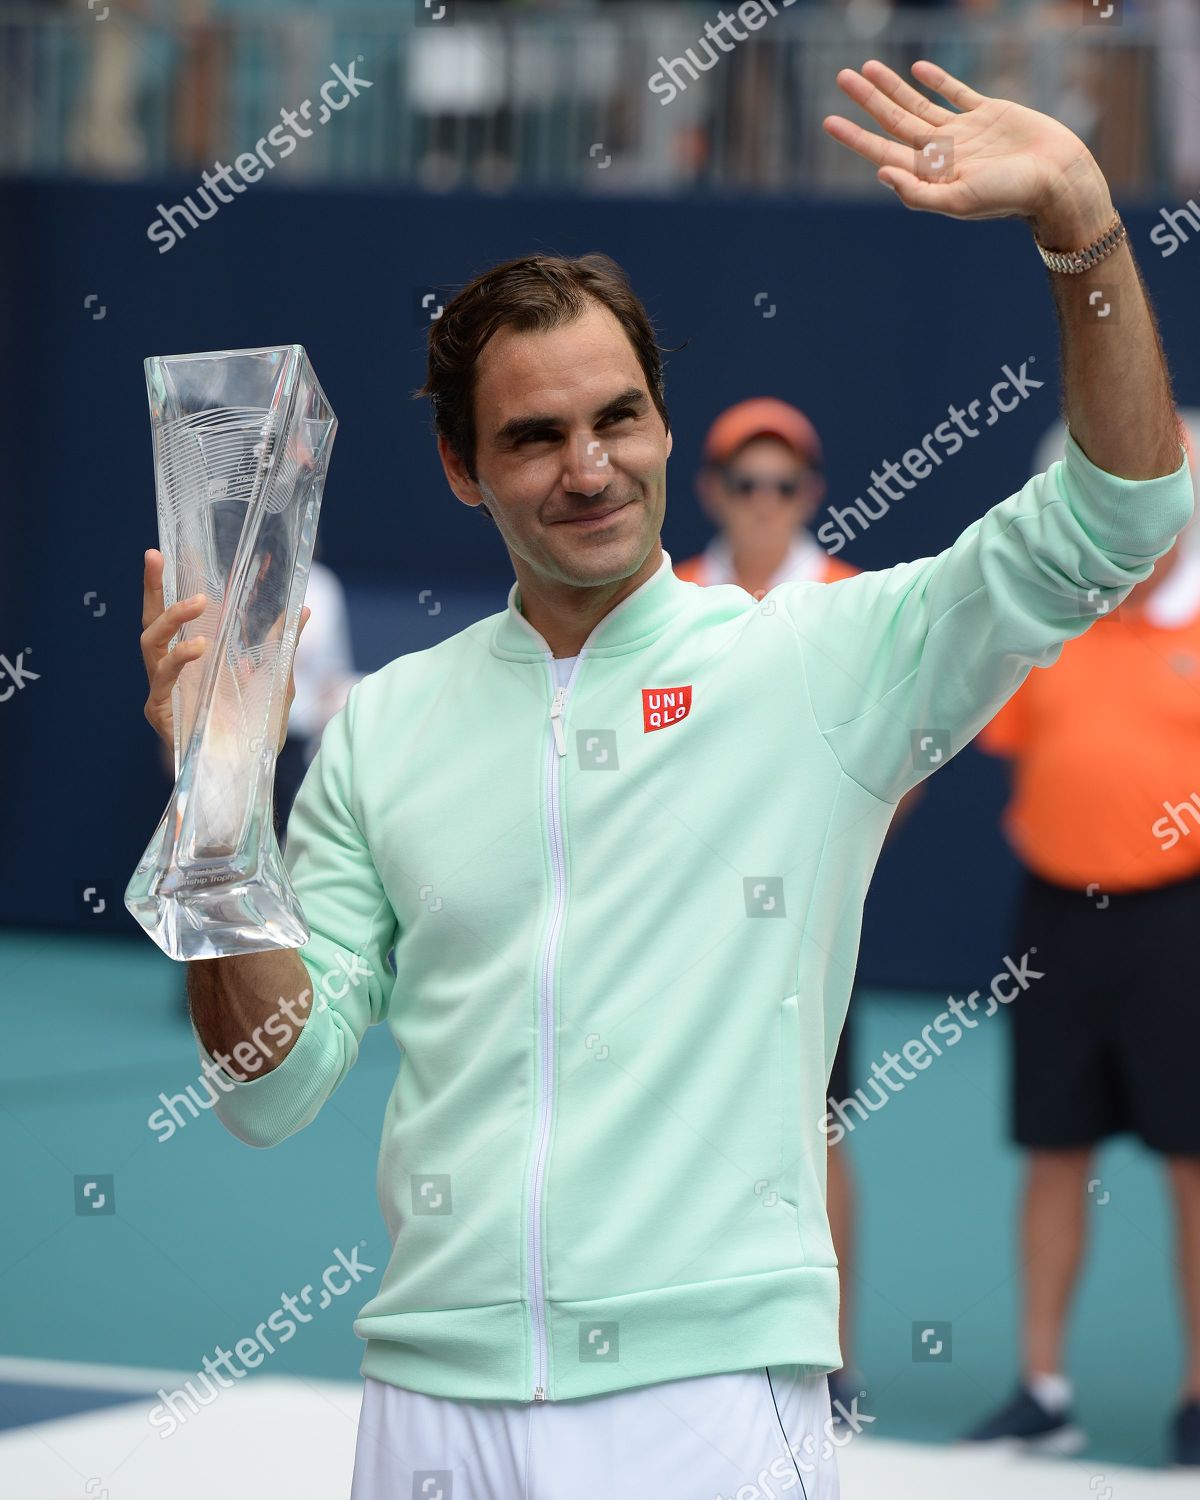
x: 533, y: 294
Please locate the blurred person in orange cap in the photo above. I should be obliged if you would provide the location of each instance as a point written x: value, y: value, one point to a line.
x: 1104, y: 816
x: 761, y: 483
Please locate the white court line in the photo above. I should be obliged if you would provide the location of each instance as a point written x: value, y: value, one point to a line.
x: 305, y: 1431
x: 88, y: 1377
x: 301, y: 1432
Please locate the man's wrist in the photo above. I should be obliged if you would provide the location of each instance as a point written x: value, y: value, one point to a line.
x: 1076, y: 215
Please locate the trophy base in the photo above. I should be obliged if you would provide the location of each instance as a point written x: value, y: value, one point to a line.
x: 216, y: 908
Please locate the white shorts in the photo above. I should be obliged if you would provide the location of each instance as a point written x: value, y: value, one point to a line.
x: 738, y: 1436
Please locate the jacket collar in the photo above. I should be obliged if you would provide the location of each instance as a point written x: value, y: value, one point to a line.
x: 631, y: 624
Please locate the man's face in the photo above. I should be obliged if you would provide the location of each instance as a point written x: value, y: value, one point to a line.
x: 762, y: 496
x: 571, y: 452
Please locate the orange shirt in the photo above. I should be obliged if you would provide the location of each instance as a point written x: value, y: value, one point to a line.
x: 691, y: 569
x: 828, y: 570
x: 1106, y: 752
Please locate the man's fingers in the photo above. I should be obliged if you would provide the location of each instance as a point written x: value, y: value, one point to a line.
x: 162, y: 679
x: 903, y: 125
x: 156, y: 637
x: 291, y: 687
x: 934, y: 197
x: 959, y: 94
x: 867, y: 143
x: 152, y: 594
x: 901, y: 110
x: 304, y: 614
x: 905, y: 95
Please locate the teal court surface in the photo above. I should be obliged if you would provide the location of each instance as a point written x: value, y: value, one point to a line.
x: 128, y: 1257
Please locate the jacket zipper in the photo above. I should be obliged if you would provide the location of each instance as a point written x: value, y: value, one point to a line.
x: 556, y: 751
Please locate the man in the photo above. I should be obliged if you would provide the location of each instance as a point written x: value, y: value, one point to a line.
x: 620, y: 971
x: 1106, y: 758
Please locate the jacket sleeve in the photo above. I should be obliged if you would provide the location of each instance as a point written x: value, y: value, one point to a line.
x: 904, y: 665
x: 353, y: 928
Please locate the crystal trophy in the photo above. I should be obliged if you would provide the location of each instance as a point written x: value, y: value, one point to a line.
x: 241, y: 446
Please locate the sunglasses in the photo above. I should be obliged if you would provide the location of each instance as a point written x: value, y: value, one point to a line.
x: 742, y: 486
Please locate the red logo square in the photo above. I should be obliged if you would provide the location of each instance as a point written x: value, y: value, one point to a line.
x: 662, y: 707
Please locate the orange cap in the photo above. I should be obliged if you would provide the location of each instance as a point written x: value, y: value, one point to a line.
x: 762, y: 416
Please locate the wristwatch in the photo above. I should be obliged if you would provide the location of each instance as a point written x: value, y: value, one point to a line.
x: 1074, y: 261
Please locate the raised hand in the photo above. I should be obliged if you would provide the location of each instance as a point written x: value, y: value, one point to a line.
x: 985, y: 159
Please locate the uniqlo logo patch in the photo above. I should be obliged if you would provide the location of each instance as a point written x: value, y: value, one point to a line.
x: 664, y: 706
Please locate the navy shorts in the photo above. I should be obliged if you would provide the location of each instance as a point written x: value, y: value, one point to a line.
x: 1108, y: 1040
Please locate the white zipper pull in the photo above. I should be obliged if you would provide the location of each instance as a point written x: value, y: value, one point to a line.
x: 556, y: 709
x: 538, y: 1393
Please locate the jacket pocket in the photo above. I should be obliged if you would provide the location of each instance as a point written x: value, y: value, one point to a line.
x: 790, y: 1104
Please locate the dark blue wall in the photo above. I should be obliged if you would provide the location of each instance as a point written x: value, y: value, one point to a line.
x: 883, y: 317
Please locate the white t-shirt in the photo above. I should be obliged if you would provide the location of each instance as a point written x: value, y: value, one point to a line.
x: 562, y: 667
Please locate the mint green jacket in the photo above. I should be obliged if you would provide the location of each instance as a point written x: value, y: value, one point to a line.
x: 625, y: 918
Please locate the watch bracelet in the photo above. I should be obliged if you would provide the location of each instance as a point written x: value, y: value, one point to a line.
x: 1072, y: 262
